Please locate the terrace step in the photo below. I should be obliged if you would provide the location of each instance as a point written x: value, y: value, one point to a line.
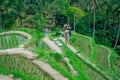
x: 9, y: 77
x: 87, y: 61
x: 53, y: 45
x: 21, y: 51
x: 67, y: 60
x: 28, y: 54
x: 49, y: 70
x: 24, y: 34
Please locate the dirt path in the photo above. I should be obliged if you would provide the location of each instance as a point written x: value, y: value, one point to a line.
x: 47, y: 68
x: 9, y: 77
x: 20, y: 51
x: 52, y: 45
x: 2, y: 77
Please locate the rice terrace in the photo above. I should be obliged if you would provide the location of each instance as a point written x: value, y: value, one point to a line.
x: 59, y: 40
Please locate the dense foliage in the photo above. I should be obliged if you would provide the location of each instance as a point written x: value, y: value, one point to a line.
x: 96, y: 18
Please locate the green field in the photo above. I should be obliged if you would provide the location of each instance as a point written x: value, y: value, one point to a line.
x: 21, y: 67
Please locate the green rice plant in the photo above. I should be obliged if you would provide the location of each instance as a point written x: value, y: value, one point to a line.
x: 6, y: 42
x: 16, y: 40
x: 115, y: 64
x: 22, y: 68
x: 11, y: 41
x: 2, y: 41
x: 0, y: 44
x: 49, y: 56
x: 92, y: 73
x: 99, y: 75
x: 102, y: 56
x: 85, y: 45
x: 76, y: 63
x: 81, y: 43
x: 7, y: 39
x: 58, y: 65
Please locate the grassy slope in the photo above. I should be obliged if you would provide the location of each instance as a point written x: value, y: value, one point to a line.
x: 100, y: 54
x: 48, y: 56
x: 83, y: 44
x: 21, y: 67
x: 45, y: 54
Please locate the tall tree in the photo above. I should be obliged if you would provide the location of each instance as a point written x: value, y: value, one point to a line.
x: 117, y: 37
x: 93, y: 7
x: 75, y: 13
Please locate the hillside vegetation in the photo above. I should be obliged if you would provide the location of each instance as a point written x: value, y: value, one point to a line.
x: 96, y: 62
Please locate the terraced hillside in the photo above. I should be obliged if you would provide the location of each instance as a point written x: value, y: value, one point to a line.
x: 32, y: 57
x: 104, y: 58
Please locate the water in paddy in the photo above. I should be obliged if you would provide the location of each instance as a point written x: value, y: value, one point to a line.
x: 11, y: 41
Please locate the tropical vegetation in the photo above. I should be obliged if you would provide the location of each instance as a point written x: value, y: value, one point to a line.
x: 95, y: 35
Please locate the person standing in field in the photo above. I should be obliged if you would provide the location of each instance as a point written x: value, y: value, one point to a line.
x: 69, y: 28
x: 46, y: 31
x: 66, y: 33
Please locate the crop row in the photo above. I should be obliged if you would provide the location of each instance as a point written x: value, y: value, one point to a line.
x: 11, y: 41
x: 116, y: 66
x: 22, y: 68
x: 102, y: 56
x: 93, y: 74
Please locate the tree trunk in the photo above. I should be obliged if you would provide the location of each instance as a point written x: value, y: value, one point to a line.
x: 116, y: 41
x: 68, y: 21
x: 21, y: 21
x: 74, y: 23
x: 94, y: 22
x: 29, y: 1
x: 0, y: 21
x: 104, y: 28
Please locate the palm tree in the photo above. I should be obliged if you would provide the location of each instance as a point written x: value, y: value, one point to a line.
x: 1, y: 12
x: 4, y: 10
x: 0, y: 20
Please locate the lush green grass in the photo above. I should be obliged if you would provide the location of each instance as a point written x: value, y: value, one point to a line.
x: 115, y: 64
x: 92, y: 73
x: 76, y: 63
x: 56, y: 62
x: 81, y: 44
x: 47, y: 55
x: 84, y: 45
x: 21, y: 67
x: 51, y: 57
x: 85, y: 72
x: 102, y: 56
x: 34, y: 33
